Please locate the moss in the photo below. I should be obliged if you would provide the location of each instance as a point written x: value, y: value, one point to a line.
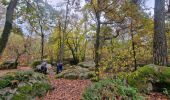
x: 9, y: 77
x: 71, y: 76
x: 76, y: 73
x: 4, y: 83
x: 60, y: 75
x: 35, y: 63
x: 91, y: 74
x: 164, y: 75
x: 110, y: 89
x: 39, y: 89
x: 27, y: 89
x: 149, y: 74
x: 20, y: 96
x: 143, y: 75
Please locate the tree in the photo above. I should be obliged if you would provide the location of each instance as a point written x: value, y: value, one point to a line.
x: 159, y: 41
x: 8, y: 25
x: 40, y: 17
x: 64, y: 31
x: 106, y: 9
x: 16, y: 47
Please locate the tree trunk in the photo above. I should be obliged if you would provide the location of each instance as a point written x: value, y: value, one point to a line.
x: 133, y: 46
x: 64, y: 34
x: 8, y: 25
x: 42, y: 39
x: 169, y: 7
x: 42, y: 46
x: 97, y: 44
x: 159, y: 40
x: 135, y: 1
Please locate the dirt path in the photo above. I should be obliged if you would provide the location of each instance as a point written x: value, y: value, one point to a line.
x: 66, y: 89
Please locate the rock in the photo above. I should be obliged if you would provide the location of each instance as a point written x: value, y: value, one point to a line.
x: 38, y: 68
x: 32, y: 81
x: 9, y: 97
x: 76, y: 73
x: 89, y: 64
x: 21, y: 84
x: 47, y: 67
x: 150, y: 87
x: 9, y: 65
x: 67, y: 66
x: 84, y: 75
x: 4, y: 91
x: 12, y: 91
x: 71, y: 76
x: 150, y: 77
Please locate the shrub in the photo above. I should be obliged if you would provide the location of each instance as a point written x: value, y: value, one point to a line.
x: 111, y: 89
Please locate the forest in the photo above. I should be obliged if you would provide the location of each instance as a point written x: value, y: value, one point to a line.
x: 84, y: 49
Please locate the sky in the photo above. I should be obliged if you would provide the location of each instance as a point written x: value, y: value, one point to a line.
x: 149, y: 4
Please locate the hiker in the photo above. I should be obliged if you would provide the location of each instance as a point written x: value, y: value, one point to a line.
x: 44, y: 67
x: 59, y: 68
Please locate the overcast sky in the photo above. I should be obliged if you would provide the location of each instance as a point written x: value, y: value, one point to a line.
x: 149, y: 3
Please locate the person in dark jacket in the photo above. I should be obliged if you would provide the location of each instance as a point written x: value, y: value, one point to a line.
x: 44, y: 67
x: 59, y: 68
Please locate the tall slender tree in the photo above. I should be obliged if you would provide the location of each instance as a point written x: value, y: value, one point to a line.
x: 159, y: 40
x: 8, y: 25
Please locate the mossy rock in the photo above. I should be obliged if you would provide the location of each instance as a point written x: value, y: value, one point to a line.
x: 149, y: 74
x: 109, y: 89
x: 9, y: 65
x: 21, y: 96
x: 40, y: 89
x: 71, y: 76
x: 35, y: 63
x: 25, y: 88
x: 4, y: 83
x: 89, y: 65
x: 76, y: 73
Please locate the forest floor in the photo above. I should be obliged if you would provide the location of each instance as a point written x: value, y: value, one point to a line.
x: 71, y: 89
x: 66, y: 89
x: 157, y: 96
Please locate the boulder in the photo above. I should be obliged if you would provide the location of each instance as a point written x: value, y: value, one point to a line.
x: 9, y: 65
x: 88, y: 64
x: 76, y: 73
x: 71, y: 76
x: 16, y: 85
x: 39, y: 69
x: 4, y: 91
x: 150, y: 78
